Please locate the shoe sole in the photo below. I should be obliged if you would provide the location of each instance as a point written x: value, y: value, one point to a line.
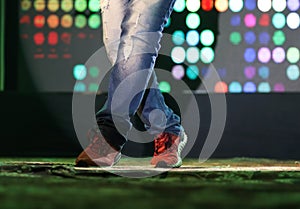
x: 182, y: 143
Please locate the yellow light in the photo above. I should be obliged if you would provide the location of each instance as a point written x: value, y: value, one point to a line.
x: 221, y: 5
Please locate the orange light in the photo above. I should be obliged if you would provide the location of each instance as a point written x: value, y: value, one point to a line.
x: 221, y: 87
x: 221, y: 5
x: 67, y: 21
x: 53, y: 21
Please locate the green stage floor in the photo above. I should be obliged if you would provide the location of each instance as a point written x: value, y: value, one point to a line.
x: 228, y: 183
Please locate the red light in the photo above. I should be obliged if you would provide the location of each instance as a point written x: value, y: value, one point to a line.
x: 264, y: 20
x: 66, y: 38
x: 39, y: 38
x: 207, y: 5
x: 52, y: 38
x: 25, y: 19
x: 39, y: 21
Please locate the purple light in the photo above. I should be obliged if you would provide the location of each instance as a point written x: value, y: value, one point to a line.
x: 293, y: 5
x: 278, y: 55
x: 178, y: 72
x: 250, y: 72
x: 250, y: 20
x: 279, y: 87
x: 264, y: 55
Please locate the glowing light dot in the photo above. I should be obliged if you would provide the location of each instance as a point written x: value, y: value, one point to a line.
x: 221, y: 87
x: 178, y: 54
x: 193, y: 20
x: 264, y: 5
x: 179, y: 5
x: 279, y: 5
x: 293, y: 55
x: 193, y: 5
x: 264, y: 87
x: 164, y: 86
x: 278, y: 20
x: 207, y: 55
x: 264, y: 55
x: 192, y: 72
x: 80, y: 72
x: 293, y: 72
x: 293, y: 20
x: 192, y: 54
x: 236, y: 5
x: 278, y: 55
x: 221, y: 5
x: 207, y: 37
x: 178, y: 37
x: 235, y: 87
x: 293, y: 5
x: 178, y: 72
x: 192, y: 37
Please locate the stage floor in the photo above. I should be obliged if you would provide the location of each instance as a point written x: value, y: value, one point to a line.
x: 227, y: 183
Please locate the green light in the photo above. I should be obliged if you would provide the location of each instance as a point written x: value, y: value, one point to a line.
x: 164, y: 86
x: 178, y: 37
x: 293, y: 55
x: 207, y: 37
x: 94, y: 72
x: 93, y: 87
x: 278, y: 38
x: 179, y: 5
x: 193, y: 20
x: 235, y: 38
x: 94, y: 6
x: 207, y: 55
x: 94, y: 21
x: 80, y: 5
x: 80, y: 21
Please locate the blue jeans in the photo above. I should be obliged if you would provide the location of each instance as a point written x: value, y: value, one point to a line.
x: 132, y: 30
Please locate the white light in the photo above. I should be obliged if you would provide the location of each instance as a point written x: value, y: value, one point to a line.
x: 178, y: 54
x: 193, y: 5
x: 236, y: 5
x: 192, y: 55
x: 293, y: 20
x: 264, y: 5
x: 279, y: 5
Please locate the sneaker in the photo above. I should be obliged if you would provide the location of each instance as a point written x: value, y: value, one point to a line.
x: 98, y: 153
x: 168, y: 149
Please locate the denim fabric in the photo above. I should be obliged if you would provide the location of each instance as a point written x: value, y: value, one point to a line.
x: 132, y: 30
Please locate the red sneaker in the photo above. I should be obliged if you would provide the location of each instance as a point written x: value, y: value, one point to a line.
x: 168, y: 149
x: 98, y: 153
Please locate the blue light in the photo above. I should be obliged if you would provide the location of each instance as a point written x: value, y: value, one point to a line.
x: 192, y: 37
x: 249, y: 87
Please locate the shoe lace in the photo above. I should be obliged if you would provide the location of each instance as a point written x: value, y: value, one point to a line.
x: 163, y: 143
